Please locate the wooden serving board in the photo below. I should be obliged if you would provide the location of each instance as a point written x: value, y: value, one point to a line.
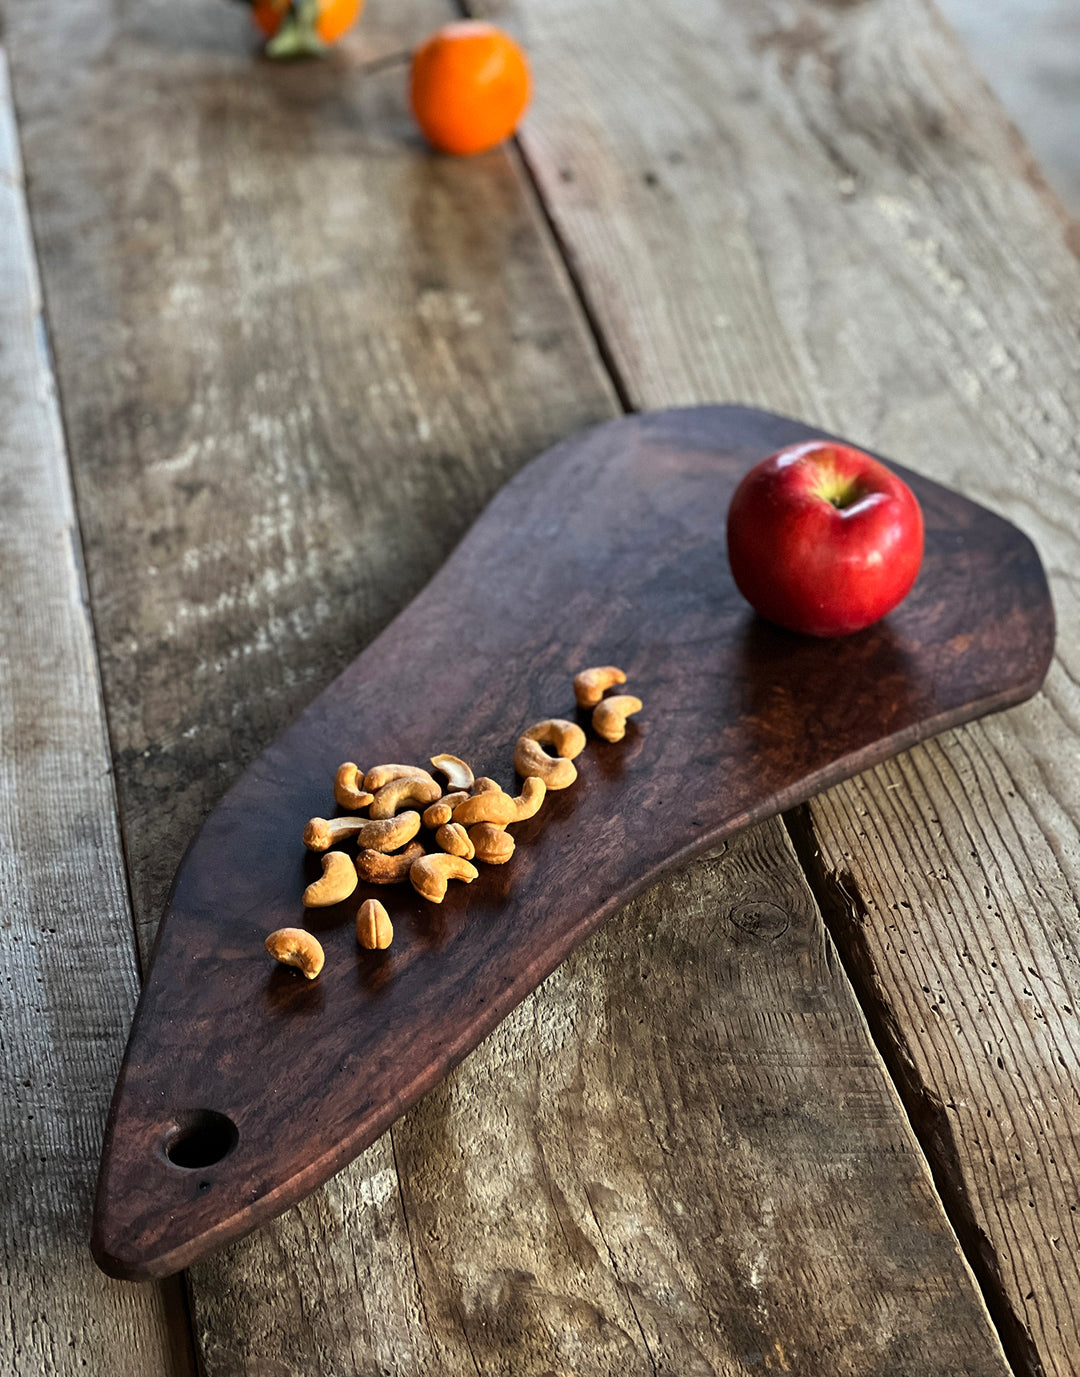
x: 244, y: 1086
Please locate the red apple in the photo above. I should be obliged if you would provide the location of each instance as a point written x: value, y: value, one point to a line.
x: 823, y: 539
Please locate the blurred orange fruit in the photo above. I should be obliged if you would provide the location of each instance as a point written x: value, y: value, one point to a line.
x: 328, y: 19
x: 469, y: 86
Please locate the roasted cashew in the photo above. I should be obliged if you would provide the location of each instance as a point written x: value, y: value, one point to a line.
x: 565, y: 738
x: 388, y: 834
x: 452, y: 838
x: 486, y: 785
x: 400, y: 792
x: 493, y: 845
x: 590, y: 684
x: 337, y: 883
x: 527, y: 803
x: 557, y: 772
x: 322, y: 833
x: 430, y: 874
x: 295, y: 947
x: 377, y: 868
x: 379, y: 775
x: 458, y: 774
x: 443, y: 810
x: 610, y: 714
x: 530, y: 759
x: 348, y: 787
x: 493, y: 806
x: 374, y: 929
x: 499, y: 808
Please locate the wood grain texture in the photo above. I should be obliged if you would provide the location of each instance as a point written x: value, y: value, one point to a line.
x: 234, y: 396
x: 69, y: 970
x: 331, y: 1287
x: 823, y: 210
x: 609, y: 548
x: 639, y: 1173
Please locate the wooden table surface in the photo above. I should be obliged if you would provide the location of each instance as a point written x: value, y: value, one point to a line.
x: 811, y: 1104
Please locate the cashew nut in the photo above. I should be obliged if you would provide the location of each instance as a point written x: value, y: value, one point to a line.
x: 295, y: 947
x: 348, y: 787
x: 458, y: 774
x: 430, y: 874
x: 493, y: 845
x: 530, y: 758
x: 374, y: 929
x: 486, y: 785
x: 400, y: 792
x: 443, y: 810
x: 453, y: 838
x: 527, y: 803
x: 590, y: 684
x: 565, y: 738
x: 497, y: 807
x: 377, y: 868
x: 321, y: 833
x: 389, y: 834
x: 610, y: 714
x: 337, y: 883
x: 384, y: 774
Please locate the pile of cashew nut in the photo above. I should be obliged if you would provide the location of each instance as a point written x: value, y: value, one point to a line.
x: 466, y: 819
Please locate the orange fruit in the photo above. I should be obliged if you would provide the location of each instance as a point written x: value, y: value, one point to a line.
x: 468, y: 87
x: 329, y: 19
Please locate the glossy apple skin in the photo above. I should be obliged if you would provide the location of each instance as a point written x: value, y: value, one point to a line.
x: 824, y: 539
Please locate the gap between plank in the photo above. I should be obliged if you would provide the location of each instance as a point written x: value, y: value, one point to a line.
x: 843, y: 911
x: 566, y: 259
x: 577, y: 286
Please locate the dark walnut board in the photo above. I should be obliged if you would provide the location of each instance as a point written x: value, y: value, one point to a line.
x: 245, y: 1086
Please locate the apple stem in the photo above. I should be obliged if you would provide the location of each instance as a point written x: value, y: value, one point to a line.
x: 841, y: 492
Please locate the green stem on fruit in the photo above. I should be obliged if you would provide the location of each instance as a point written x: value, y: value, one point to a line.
x: 298, y: 35
x: 841, y: 492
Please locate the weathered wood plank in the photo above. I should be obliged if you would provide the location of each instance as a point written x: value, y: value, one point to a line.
x: 242, y: 424
x: 69, y: 967
x: 839, y: 222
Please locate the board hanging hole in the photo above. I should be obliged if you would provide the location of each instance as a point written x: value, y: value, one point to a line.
x: 200, y: 1137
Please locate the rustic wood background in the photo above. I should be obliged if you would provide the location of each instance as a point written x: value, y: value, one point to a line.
x: 295, y: 354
